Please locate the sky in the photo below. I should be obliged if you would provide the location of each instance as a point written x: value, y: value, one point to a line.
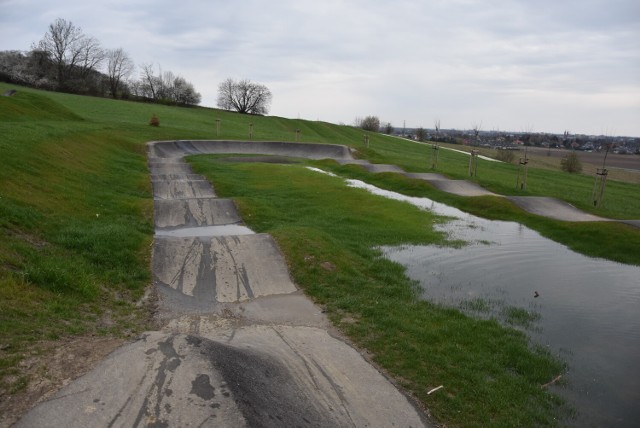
x: 518, y: 65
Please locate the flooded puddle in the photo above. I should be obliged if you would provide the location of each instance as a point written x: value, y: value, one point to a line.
x: 585, y: 310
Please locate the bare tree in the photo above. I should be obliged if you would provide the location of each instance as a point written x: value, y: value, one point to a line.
x: 149, y: 83
x: 476, y: 133
x: 436, y: 125
x: 90, y: 55
x: 244, y: 96
x: 388, y: 128
x: 69, y: 50
x: 119, y: 68
x: 166, y: 80
x: 59, y: 43
x: 421, y: 134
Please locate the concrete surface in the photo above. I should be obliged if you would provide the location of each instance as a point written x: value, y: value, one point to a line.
x: 635, y: 223
x: 427, y: 176
x: 460, y: 187
x: 552, y: 208
x: 180, y: 213
x: 220, y: 269
x: 264, y: 376
x: 177, y: 149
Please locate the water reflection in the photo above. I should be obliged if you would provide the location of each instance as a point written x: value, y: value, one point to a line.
x: 587, y: 309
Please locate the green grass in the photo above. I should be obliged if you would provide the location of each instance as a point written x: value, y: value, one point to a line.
x: 76, y: 225
x: 329, y: 233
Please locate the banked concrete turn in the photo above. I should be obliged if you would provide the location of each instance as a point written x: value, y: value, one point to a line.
x: 241, y: 346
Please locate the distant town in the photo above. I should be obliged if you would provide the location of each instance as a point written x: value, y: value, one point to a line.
x: 515, y: 140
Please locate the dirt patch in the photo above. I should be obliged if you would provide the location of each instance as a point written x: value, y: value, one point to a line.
x: 52, y: 365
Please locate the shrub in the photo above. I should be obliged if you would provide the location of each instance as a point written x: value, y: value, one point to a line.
x: 505, y: 155
x: 571, y: 163
x: 154, y: 121
x: 369, y: 123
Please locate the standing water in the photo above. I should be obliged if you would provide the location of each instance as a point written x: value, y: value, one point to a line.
x: 585, y: 310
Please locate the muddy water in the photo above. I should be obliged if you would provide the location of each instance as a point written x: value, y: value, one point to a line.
x: 587, y: 310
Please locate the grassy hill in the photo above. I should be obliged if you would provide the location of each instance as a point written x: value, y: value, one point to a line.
x: 76, y: 212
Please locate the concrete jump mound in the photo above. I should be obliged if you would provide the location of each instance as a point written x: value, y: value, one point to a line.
x: 460, y: 187
x: 552, y: 208
x: 180, y: 213
x: 197, y: 273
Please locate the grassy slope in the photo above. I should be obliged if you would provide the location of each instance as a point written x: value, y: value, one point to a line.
x: 75, y: 207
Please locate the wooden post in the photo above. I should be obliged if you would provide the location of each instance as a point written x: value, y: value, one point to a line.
x: 521, y: 182
x: 597, y: 195
x: 297, y: 135
x: 473, y: 163
x: 217, y: 127
x: 434, y: 160
x: 366, y: 140
x: 251, y: 131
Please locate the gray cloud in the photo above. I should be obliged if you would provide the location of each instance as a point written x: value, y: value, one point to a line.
x: 551, y: 65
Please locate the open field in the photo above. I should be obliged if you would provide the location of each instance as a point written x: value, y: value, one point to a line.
x: 593, y: 159
x: 624, y: 168
x: 76, y: 224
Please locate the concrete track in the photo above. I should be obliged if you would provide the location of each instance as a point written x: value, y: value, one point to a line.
x: 241, y: 346
x: 552, y: 208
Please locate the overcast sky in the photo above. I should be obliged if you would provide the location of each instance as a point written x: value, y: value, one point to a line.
x: 519, y: 65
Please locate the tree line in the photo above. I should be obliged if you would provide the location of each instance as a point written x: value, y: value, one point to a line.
x: 68, y: 60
